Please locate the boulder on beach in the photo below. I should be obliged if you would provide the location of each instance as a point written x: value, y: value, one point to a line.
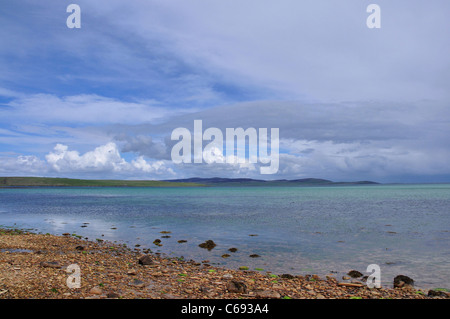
x: 439, y: 292
x: 402, y: 281
x: 354, y: 274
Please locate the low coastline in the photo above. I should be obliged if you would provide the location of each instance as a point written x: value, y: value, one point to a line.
x: 35, y: 266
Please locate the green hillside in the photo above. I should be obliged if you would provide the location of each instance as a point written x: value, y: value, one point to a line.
x: 69, y: 182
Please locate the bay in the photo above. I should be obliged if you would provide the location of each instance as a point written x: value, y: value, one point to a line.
x: 405, y: 229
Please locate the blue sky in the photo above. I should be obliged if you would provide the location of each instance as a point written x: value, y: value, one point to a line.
x: 351, y: 103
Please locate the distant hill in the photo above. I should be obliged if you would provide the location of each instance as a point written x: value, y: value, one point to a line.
x: 69, y: 182
x: 187, y: 182
x: 220, y: 181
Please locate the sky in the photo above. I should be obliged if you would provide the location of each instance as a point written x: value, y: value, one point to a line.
x: 101, y: 101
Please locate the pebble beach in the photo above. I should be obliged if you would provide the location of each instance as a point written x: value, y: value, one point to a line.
x: 37, y: 266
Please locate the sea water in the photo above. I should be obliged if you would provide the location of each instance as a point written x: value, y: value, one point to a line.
x: 405, y: 229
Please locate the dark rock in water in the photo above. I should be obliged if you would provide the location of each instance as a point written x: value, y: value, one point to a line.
x: 225, y: 255
x: 354, y: 274
x: 254, y: 256
x: 157, y: 242
x: 287, y: 276
x: 145, y: 260
x: 165, y: 236
x: 402, y: 281
x: 237, y: 287
x: 209, y: 244
x: 233, y: 250
x: 182, y: 241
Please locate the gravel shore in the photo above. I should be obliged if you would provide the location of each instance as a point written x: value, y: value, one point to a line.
x: 38, y: 266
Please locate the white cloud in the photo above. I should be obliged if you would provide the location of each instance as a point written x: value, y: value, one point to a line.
x: 104, y: 161
x: 103, y: 158
x: 157, y: 167
x: 22, y: 165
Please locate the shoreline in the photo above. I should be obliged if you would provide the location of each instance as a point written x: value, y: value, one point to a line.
x: 35, y: 266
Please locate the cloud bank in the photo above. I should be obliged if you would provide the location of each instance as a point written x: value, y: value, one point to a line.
x: 101, y: 101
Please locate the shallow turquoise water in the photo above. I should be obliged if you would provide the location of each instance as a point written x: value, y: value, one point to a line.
x: 405, y: 229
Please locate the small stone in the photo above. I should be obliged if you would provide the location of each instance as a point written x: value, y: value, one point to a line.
x: 254, y: 256
x: 351, y: 284
x: 182, y: 241
x: 137, y: 283
x: 227, y: 276
x: 236, y: 287
x: 145, y: 260
x: 287, y: 276
x: 267, y: 294
x: 50, y: 264
x: 131, y: 272
x: 225, y: 255
x: 96, y: 291
x: 112, y: 295
x: 233, y: 250
x: 79, y: 248
x: 346, y: 277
